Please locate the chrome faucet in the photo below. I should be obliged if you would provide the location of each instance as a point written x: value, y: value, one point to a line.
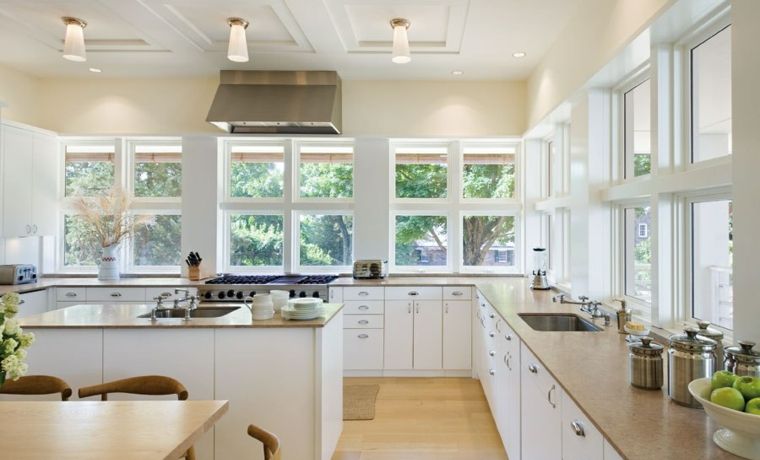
x: 190, y: 299
x: 159, y: 307
x: 587, y: 306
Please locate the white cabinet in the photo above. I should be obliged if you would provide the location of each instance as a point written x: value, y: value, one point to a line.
x: 399, y: 334
x: 116, y: 294
x: 30, y: 182
x: 72, y: 295
x: 362, y: 349
x: 428, y: 334
x: 541, y: 417
x: 580, y: 439
x: 610, y: 453
x: 363, y: 340
x: 507, y: 389
x: 457, y: 336
x: 33, y: 303
x: 335, y: 295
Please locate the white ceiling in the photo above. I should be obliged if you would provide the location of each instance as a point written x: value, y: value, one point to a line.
x: 153, y: 38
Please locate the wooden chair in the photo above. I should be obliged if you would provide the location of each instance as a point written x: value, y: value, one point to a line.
x: 152, y: 385
x: 37, y: 385
x: 270, y: 441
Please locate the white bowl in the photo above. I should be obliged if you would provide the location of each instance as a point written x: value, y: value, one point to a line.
x: 740, y: 434
x: 306, y: 303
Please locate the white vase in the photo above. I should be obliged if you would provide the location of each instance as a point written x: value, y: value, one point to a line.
x: 109, y: 263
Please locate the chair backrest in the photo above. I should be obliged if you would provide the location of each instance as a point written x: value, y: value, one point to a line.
x: 37, y: 385
x: 153, y: 385
x: 270, y: 441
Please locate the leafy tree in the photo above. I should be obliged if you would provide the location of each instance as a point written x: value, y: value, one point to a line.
x: 158, y: 179
x: 415, y: 231
x: 157, y: 240
x: 257, y: 180
x: 642, y: 164
x: 256, y: 240
x: 489, y: 181
x: 326, y: 180
x: 326, y: 239
x: 78, y: 250
x: 88, y: 178
x: 421, y: 180
x: 482, y: 232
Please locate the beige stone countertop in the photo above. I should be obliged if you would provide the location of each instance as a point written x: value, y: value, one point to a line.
x: 431, y: 280
x: 592, y: 370
x: 126, y: 316
x: 52, y: 282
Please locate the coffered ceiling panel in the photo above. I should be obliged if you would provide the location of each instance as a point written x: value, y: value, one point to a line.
x: 204, y: 24
x: 364, y: 25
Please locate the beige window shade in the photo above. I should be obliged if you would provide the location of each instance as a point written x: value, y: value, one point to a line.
x: 489, y: 158
x: 81, y: 157
x: 421, y: 158
x: 158, y: 157
x: 328, y: 158
x: 258, y: 157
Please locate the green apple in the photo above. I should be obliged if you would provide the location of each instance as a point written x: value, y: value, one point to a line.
x: 728, y: 397
x: 753, y: 406
x: 749, y: 387
x: 722, y: 379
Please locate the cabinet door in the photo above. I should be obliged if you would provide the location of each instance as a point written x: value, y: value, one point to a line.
x: 580, y: 439
x: 542, y: 415
x: 33, y: 303
x: 428, y: 334
x: 362, y: 349
x: 510, y: 399
x: 335, y: 295
x: 399, y: 333
x: 45, y: 185
x: 457, y: 341
x: 18, y: 147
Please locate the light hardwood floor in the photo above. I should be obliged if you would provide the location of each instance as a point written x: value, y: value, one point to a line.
x: 423, y: 419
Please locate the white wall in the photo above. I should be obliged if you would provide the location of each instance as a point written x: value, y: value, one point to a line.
x: 745, y: 69
x: 372, y: 198
x: 20, y: 94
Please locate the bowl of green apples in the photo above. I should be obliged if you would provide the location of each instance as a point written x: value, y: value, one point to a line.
x: 733, y: 402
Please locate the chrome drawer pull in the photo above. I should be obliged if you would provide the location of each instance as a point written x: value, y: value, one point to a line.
x: 491, y: 371
x: 71, y: 294
x: 457, y: 293
x: 116, y: 294
x: 363, y: 293
x: 363, y: 321
x: 491, y: 353
x: 363, y: 307
x: 166, y: 294
x: 491, y: 334
x: 491, y: 315
x: 577, y: 427
x: 549, y: 396
x: 508, y: 337
x: 414, y: 293
x: 21, y: 302
x: 363, y: 336
x: 533, y: 369
x: 508, y: 361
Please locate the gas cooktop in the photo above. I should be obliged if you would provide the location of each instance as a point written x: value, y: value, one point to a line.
x: 228, y: 278
x: 236, y: 287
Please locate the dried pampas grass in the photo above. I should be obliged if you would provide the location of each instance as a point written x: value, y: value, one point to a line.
x: 107, y: 217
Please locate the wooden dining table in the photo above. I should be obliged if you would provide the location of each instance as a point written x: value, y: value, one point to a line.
x: 120, y: 430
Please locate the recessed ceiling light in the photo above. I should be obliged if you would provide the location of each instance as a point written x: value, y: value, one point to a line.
x: 457, y: 73
x: 95, y: 70
x: 519, y: 54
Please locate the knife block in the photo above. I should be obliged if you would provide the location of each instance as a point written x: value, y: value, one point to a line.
x: 194, y: 272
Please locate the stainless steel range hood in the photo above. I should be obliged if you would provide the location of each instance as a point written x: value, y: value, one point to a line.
x: 304, y: 102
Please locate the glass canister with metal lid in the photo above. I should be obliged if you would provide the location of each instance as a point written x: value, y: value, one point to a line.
x: 645, y: 364
x: 689, y: 357
x: 706, y: 331
x: 743, y: 360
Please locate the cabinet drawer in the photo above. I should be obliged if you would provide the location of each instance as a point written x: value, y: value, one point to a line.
x: 167, y: 293
x: 363, y: 293
x: 457, y: 293
x: 414, y: 293
x: 70, y: 294
x: 363, y: 307
x: 536, y: 374
x: 116, y: 294
x: 363, y: 349
x: 362, y: 321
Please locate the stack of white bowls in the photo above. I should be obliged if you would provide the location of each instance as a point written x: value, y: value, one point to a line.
x: 279, y: 299
x: 302, y: 308
x: 261, y: 307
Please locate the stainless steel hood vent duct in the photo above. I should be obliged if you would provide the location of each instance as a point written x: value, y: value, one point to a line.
x: 304, y: 102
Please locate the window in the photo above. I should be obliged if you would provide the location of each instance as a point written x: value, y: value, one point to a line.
x: 488, y: 173
x: 637, y: 131
x: 157, y: 240
x: 256, y: 171
x: 711, y: 97
x: 488, y: 241
x: 80, y: 247
x: 89, y: 168
x: 421, y: 240
x: 256, y: 240
x: 638, y: 254
x: 551, y: 154
x: 712, y: 262
x: 326, y: 171
x: 325, y: 240
x: 422, y: 172
x: 157, y: 171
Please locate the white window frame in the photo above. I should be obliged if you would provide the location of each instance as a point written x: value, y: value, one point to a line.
x: 620, y: 163
x: 298, y: 145
x: 510, y: 269
x: 639, y: 306
x: 395, y: 146
x: 296, y: 261
x: 684, y: 47
x: 129, y: 245
x: 496, y: 147
x: 131, y: 162
x: 287, y: 179
x: 686, y: 200
x: 420, y: 268
x: 227, y: 242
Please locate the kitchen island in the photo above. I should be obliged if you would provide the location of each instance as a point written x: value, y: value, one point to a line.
x: 285, y: 376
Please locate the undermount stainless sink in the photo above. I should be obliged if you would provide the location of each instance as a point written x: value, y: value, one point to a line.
x: 558, y: 322
x: 202, y: 312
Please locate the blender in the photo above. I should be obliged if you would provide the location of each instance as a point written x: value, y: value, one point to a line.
x: 539, y: 274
